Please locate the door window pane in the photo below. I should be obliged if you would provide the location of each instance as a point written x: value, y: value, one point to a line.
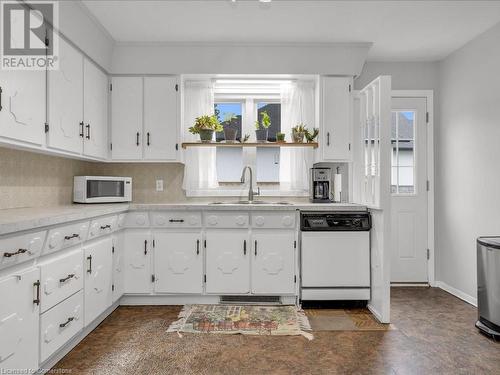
x: 403, y: 152
x: 229, y: 160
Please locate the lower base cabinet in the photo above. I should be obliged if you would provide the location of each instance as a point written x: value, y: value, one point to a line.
x: 178, y: 260
x: 118, y: 267
x: 98, y: 276
x: 19, y: 320
x: 137, y: 247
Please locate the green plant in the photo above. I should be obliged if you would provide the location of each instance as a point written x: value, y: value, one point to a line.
x: 280, y: 137
x: 206, y: 123
x: 265, y: 122
x: 228, y: 119
x: 245, y: 138
x: 311, y: 135
x: 300, y: 128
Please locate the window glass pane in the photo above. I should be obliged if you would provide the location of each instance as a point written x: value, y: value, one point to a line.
x: 268, y: 159
x: 229, y: 115
x: 403, y: 152
x: 229, y: 160
x: 274, y: 112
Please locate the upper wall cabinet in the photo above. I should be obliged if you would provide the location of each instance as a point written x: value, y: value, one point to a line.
x: 336, y: 117
x: 144, y: 118
x: 22, y: 106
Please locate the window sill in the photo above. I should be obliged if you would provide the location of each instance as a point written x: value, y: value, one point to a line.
x: 244, y: 193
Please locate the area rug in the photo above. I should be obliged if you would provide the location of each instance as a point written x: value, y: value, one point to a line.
x: 344, y: 320
x: 243, y: 319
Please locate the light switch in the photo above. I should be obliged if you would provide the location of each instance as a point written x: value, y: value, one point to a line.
x: 159, y: 185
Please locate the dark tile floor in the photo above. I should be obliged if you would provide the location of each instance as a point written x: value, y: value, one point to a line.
x: 434, y: 334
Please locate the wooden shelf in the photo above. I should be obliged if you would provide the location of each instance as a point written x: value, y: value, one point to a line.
x: 249, y: 144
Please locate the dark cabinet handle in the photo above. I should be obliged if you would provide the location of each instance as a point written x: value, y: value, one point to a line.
x: 176, y: 220
x: 328, y: 139
x: 81, y: 129
x: 20, y: 251
x: 70, y: 276
x: 0, y: 99
x: 89, y: 258
x: 197, y: 247
x: 245, y: 247
x: 74, y: 235
x: 137, y: 139
x: 145, y: 247
x: 62, y: 325
x: 255, y: 247
x: 37, y: 298
x: 148, y: 139
x: 88, y: 131
x: 105, y: 226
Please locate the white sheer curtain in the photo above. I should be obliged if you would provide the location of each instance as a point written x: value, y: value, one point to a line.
x: 297, y: 106
x: 200, y: 162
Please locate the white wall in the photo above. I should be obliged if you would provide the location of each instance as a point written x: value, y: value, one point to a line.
x: 467, y: 158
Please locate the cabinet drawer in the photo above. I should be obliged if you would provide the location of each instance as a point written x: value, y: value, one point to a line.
x: 60, y: 324
x: 18, y: 249
x: 176, y: 219
x: 62, y: 237
x: 60, y: 278
x: 136, y: 220
x: 273, y: 220
x: 226, y: 220
x: 102, y: 226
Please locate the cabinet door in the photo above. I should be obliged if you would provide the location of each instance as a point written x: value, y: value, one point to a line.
x: 22, y: 109
x: 137, y: 246
x: 126, y: 118
x: 66, y: 101
x: 228, y: 261
x: 336, y: 118
x: 19, y: 317
x: 118, y: 267
x: 98, y: 274
x: 273, y: 262
x: 178, y: 261
x: 95, y: 107
x: 160, y: 118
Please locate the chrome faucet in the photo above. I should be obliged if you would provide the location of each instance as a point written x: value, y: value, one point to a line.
x: 251, y: 193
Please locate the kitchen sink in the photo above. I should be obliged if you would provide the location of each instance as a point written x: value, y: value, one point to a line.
x: 251, y: 202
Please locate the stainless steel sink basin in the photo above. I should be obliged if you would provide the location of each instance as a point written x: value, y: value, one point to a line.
x: 251, y: 202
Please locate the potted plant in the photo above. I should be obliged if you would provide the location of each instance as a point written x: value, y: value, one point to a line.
x: 205, y: 126
x: 311, y: 135
x: 298, y: 133
x: 280, y: 137
x: 262, y: 127
x: 245, y: 138
x: 230, y: 132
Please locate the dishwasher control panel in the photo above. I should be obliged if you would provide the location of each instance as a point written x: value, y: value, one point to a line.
x: 335, y: 221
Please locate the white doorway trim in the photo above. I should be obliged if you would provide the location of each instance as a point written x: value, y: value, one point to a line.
x: 429, y: 96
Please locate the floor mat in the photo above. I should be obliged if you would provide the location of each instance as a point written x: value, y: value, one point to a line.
x: 344, y: 320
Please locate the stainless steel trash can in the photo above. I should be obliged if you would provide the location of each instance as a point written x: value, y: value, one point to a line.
x: 488, y: 285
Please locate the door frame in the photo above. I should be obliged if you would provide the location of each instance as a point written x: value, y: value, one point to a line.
x: 428, y: 95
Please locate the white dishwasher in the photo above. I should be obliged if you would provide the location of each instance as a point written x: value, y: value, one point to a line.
x: 335, y: 255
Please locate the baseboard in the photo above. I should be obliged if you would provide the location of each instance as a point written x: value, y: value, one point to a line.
x: 418, y: 285
x: 457, y: 293
x: 375, y: 313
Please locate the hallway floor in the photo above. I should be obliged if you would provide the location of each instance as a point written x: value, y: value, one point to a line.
x: 434, y: 334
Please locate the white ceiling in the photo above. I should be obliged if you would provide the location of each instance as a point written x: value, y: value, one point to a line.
x: 400, y: 30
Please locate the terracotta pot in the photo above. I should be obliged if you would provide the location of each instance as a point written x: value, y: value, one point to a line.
x: 298, y: 137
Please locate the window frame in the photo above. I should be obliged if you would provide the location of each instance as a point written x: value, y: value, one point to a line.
x: 396, y: 140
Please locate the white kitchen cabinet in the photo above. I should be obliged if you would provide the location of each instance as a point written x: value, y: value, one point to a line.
x: 19, y: 320
x: 118, y: 267
x: 98, y: 276
x: 335, y: 131
x: 95, y: 106
x: 160, y: 118
x: 127, y: 118
x: 227, y: 261
x: 273, y: 262
x: 137, y: 258
x: 22, y: 106
x: 178, y: 262
x: 65, y: 101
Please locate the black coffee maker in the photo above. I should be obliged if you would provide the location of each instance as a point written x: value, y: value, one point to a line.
x: 320, y: 185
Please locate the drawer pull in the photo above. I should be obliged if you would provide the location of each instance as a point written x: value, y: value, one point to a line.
x: 197, y: 247
x: 70, y: 319
x: 74, y: 235
x: 89, y: 258
x: 37, y: 299
x: 255, y: 247
x: 245, y: 247
x: 70, y: 276
x: 20, y: 251
x: 145, y: 247
x: 105, y: 226
x: 176, y: 220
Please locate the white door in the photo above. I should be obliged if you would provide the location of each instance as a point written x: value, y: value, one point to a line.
x: 22, y: 105
x: 95, y: 108
x: 409, y: 190
x: 178, y: 261
x: 126, y: 118
x: 66, y: 101
x: 19, y: 315
x: 273, y: 262
x: 160, y: 118
x: 98, y: 277
x: 118, y: 266
x: 227, y: 261
x: 137, y: 259
x: 336, y: 118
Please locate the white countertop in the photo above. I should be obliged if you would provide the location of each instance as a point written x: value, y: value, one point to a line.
x: 22, y: 219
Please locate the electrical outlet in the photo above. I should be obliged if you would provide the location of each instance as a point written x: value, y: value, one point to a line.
x: 159, y: 185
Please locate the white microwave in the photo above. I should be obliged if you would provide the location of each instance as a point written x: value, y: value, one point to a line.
x: 99, y: 189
